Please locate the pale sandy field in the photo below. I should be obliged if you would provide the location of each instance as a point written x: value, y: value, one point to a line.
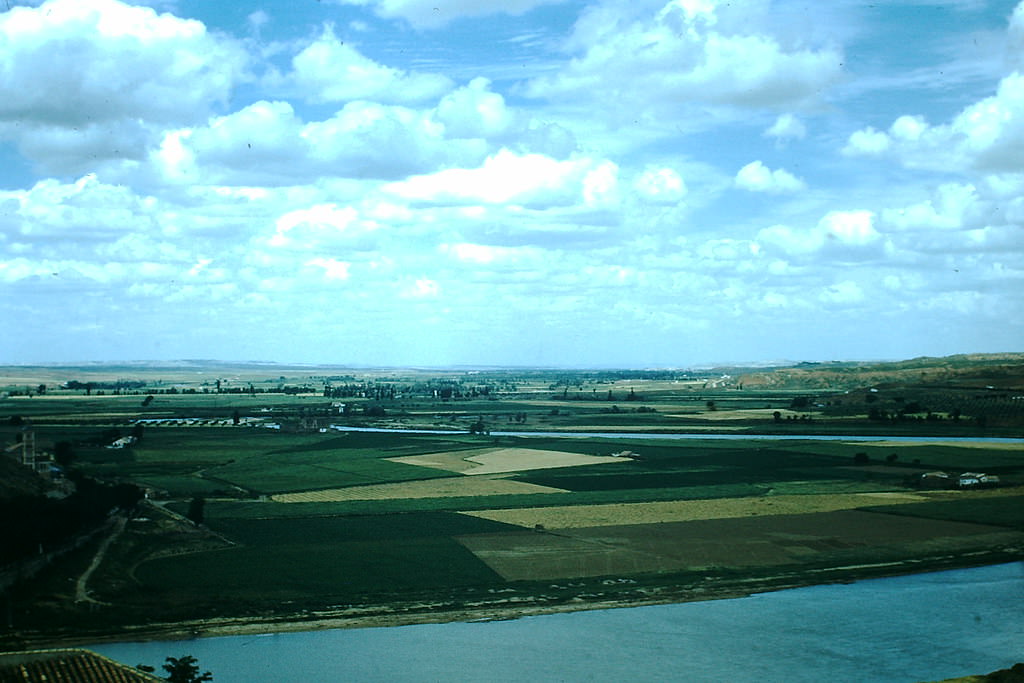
x: 450, y: 487
x: 578, y: 516
x: 499, y: 460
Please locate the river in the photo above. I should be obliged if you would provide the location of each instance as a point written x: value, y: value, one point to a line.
x: 676, y: 436
x: 923, y: 627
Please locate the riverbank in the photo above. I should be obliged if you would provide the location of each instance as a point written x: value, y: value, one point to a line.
x: 616, y: 594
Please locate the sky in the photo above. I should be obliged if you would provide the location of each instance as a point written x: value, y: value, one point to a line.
x: 622, y: 183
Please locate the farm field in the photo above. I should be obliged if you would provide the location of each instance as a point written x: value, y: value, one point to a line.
x: 296, y: 518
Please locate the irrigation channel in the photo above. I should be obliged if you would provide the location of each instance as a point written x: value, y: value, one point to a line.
x: 673, y: 436
x: 923, y: 627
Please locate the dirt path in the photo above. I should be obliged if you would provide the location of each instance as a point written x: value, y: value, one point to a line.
x: 81, y: 586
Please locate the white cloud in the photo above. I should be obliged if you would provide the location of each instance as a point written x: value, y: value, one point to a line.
x: 787, y: 127
x: 422, y: 288
x: 333, y: 269
x: 684, y: 54
x: 507, y: 177
x: 475, y: 111
x: 839, y: 235
x: 660, y: 186
x: 85, y: 80
x: 429, y: 14
x: 83, y: 211
x: 949, y: 209
x: 268, y: 143
x: 867, y: 142
x: 757, y: 177
x: 850, y: 228
x: 315, y: 226
x: 987, y: 135
x: 329, y: 70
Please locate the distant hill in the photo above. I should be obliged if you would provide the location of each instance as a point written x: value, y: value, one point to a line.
x: 1001, y: 371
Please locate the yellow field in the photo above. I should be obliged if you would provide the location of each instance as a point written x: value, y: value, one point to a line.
x: 500, y: 460
x: 448, y: 487
x: 571, y: 517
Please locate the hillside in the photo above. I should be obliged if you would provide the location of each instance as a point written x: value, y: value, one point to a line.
x: 1003, y: 371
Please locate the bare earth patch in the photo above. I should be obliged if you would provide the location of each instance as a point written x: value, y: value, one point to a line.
x: 579, y: 516
x: 449, y: 487
x: 499, y: 460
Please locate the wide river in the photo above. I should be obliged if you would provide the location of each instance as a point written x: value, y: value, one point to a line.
x: 923, y: 627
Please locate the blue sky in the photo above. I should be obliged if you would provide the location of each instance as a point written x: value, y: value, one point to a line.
x: 628, y: 183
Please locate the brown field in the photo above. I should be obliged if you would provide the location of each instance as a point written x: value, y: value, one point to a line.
x: 500, y: 460
x: 449, y: 487
x: 839, y: 538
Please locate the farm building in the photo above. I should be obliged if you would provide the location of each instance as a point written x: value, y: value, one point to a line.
x: 67, y: 666
x: 966, y: 480
x: 975, y: 479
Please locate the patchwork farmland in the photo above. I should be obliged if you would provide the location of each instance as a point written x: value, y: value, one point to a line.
x: 245, y: 524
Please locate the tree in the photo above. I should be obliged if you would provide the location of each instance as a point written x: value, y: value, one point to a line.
x: 64, y: 453
x: 185, y: 670
x: 196, y: 512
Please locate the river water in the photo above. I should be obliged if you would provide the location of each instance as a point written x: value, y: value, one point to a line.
x: 677, y: 436
x: 923, y: 627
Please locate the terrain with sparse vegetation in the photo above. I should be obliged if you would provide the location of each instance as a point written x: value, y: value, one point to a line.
x: 202, y: 497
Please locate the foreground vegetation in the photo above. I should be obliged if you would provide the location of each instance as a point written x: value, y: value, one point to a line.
x: 260, y: 506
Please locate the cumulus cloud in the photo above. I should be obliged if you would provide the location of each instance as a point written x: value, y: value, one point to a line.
x: 507, y: 177
x: 430, y: 14
x: 954, y: 206
x: 329, y: 70
x: 83, y: 211
x: 683, y: 53
x: 475, y: 111
x: 756, y: 177
x: 786, y: 127
x: 839, y: 235
x: 323, y: 226
x: 268, y: 143
x: 660, y: 186
x: 987, y: 135
x: 82, y: 81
